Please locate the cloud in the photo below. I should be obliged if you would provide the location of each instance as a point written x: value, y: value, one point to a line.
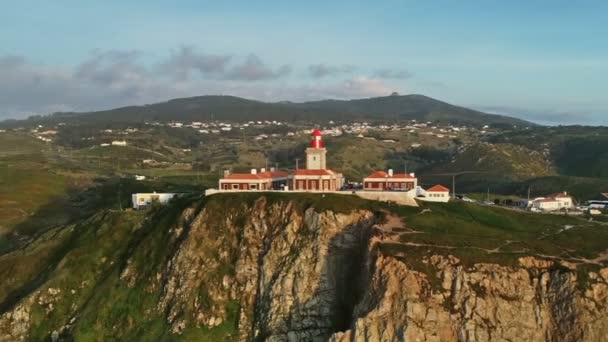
x: 321, y: 70
x: 110, y: 79
x: 186, y: 59
x: 392, y: 73
x: 352, y: 88
x: 253, y: 69
x: 360, y: 86
x: 110, y: 68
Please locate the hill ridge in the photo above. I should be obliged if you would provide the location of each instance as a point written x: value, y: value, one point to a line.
x: 233, y: 108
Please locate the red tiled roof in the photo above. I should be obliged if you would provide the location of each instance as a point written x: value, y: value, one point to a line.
x: 274, y: 174
x: 545, y: 200
x: 559, y: 195
x: 316, y: 133
x: 438, y: 188
x: 321, y: 172
x: 243, y: 176
x: 261, y: 175
x: 384, y: 175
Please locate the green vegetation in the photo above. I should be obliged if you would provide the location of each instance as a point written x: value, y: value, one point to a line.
x: 476, y: 234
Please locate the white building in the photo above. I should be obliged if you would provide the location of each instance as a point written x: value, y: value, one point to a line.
x: 553, y: 202
x: 438, y: 193
x: 119, y: 143
x: 143, y: 200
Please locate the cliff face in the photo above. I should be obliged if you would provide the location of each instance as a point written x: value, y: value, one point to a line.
x: 294, y: 275
x: 486, y: 302
x: 275, y: 271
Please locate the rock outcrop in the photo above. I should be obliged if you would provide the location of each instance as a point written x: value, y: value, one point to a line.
x: 487, y: 302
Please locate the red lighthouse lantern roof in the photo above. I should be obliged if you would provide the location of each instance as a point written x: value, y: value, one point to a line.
x: 316, y: 133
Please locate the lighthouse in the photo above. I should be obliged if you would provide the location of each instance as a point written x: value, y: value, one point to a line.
x: 316, y: 153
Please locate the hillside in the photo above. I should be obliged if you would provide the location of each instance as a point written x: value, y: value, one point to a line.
x: 308, y: 266
x: 575, y: 150
x: 230, y: 108
x: 407, y: 107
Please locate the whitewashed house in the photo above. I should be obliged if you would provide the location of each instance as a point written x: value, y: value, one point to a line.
x: 553, y: 202
x: 143, y: 200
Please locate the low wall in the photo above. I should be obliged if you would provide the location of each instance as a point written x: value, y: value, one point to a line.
x: 398, y: 197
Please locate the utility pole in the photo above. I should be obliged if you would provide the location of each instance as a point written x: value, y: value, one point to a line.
x: 405, y: 167
x: 454, y: 187
x: 297, y: 160
x: 488, y: 198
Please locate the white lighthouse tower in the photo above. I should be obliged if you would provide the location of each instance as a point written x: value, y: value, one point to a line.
x: 316, y: 153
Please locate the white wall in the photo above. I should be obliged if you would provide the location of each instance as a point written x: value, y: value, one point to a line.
x: 315, y: 158
x: 432, y: 196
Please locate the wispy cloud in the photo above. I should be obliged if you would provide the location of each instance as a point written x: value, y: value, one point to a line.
x: 253, y: 69
x: 392, y: 73
x: 322, y: 70
x: 108, y: 79
x: 185, y: 60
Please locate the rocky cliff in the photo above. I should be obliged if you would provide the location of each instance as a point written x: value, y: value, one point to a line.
x: 284, y: 270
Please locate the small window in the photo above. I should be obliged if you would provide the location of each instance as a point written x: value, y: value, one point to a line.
x: 235, y: 186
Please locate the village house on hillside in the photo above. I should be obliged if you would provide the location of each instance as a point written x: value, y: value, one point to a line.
x: 381, y: 180
x: 264, y: 180
x: 437, y: 193
x: 552, y: 202
x: 143, y: 200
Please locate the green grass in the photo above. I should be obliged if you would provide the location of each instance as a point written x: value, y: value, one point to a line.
x: 470, y: 230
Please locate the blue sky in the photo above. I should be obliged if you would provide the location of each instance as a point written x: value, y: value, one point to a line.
x: 546, y: 61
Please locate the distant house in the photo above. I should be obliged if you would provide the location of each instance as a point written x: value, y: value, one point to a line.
x: 381, y: 180
x: 140, y: 177
x: 143, y: 200
x: 545, y: 204
x: 437, y: 193
x: 263, y: 180
x: 552, y: 202
x: 119, y: 143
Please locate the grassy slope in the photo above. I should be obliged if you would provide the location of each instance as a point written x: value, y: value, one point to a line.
x: 27, y: 184
x: 575, y: 150
x: 476, y: 233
